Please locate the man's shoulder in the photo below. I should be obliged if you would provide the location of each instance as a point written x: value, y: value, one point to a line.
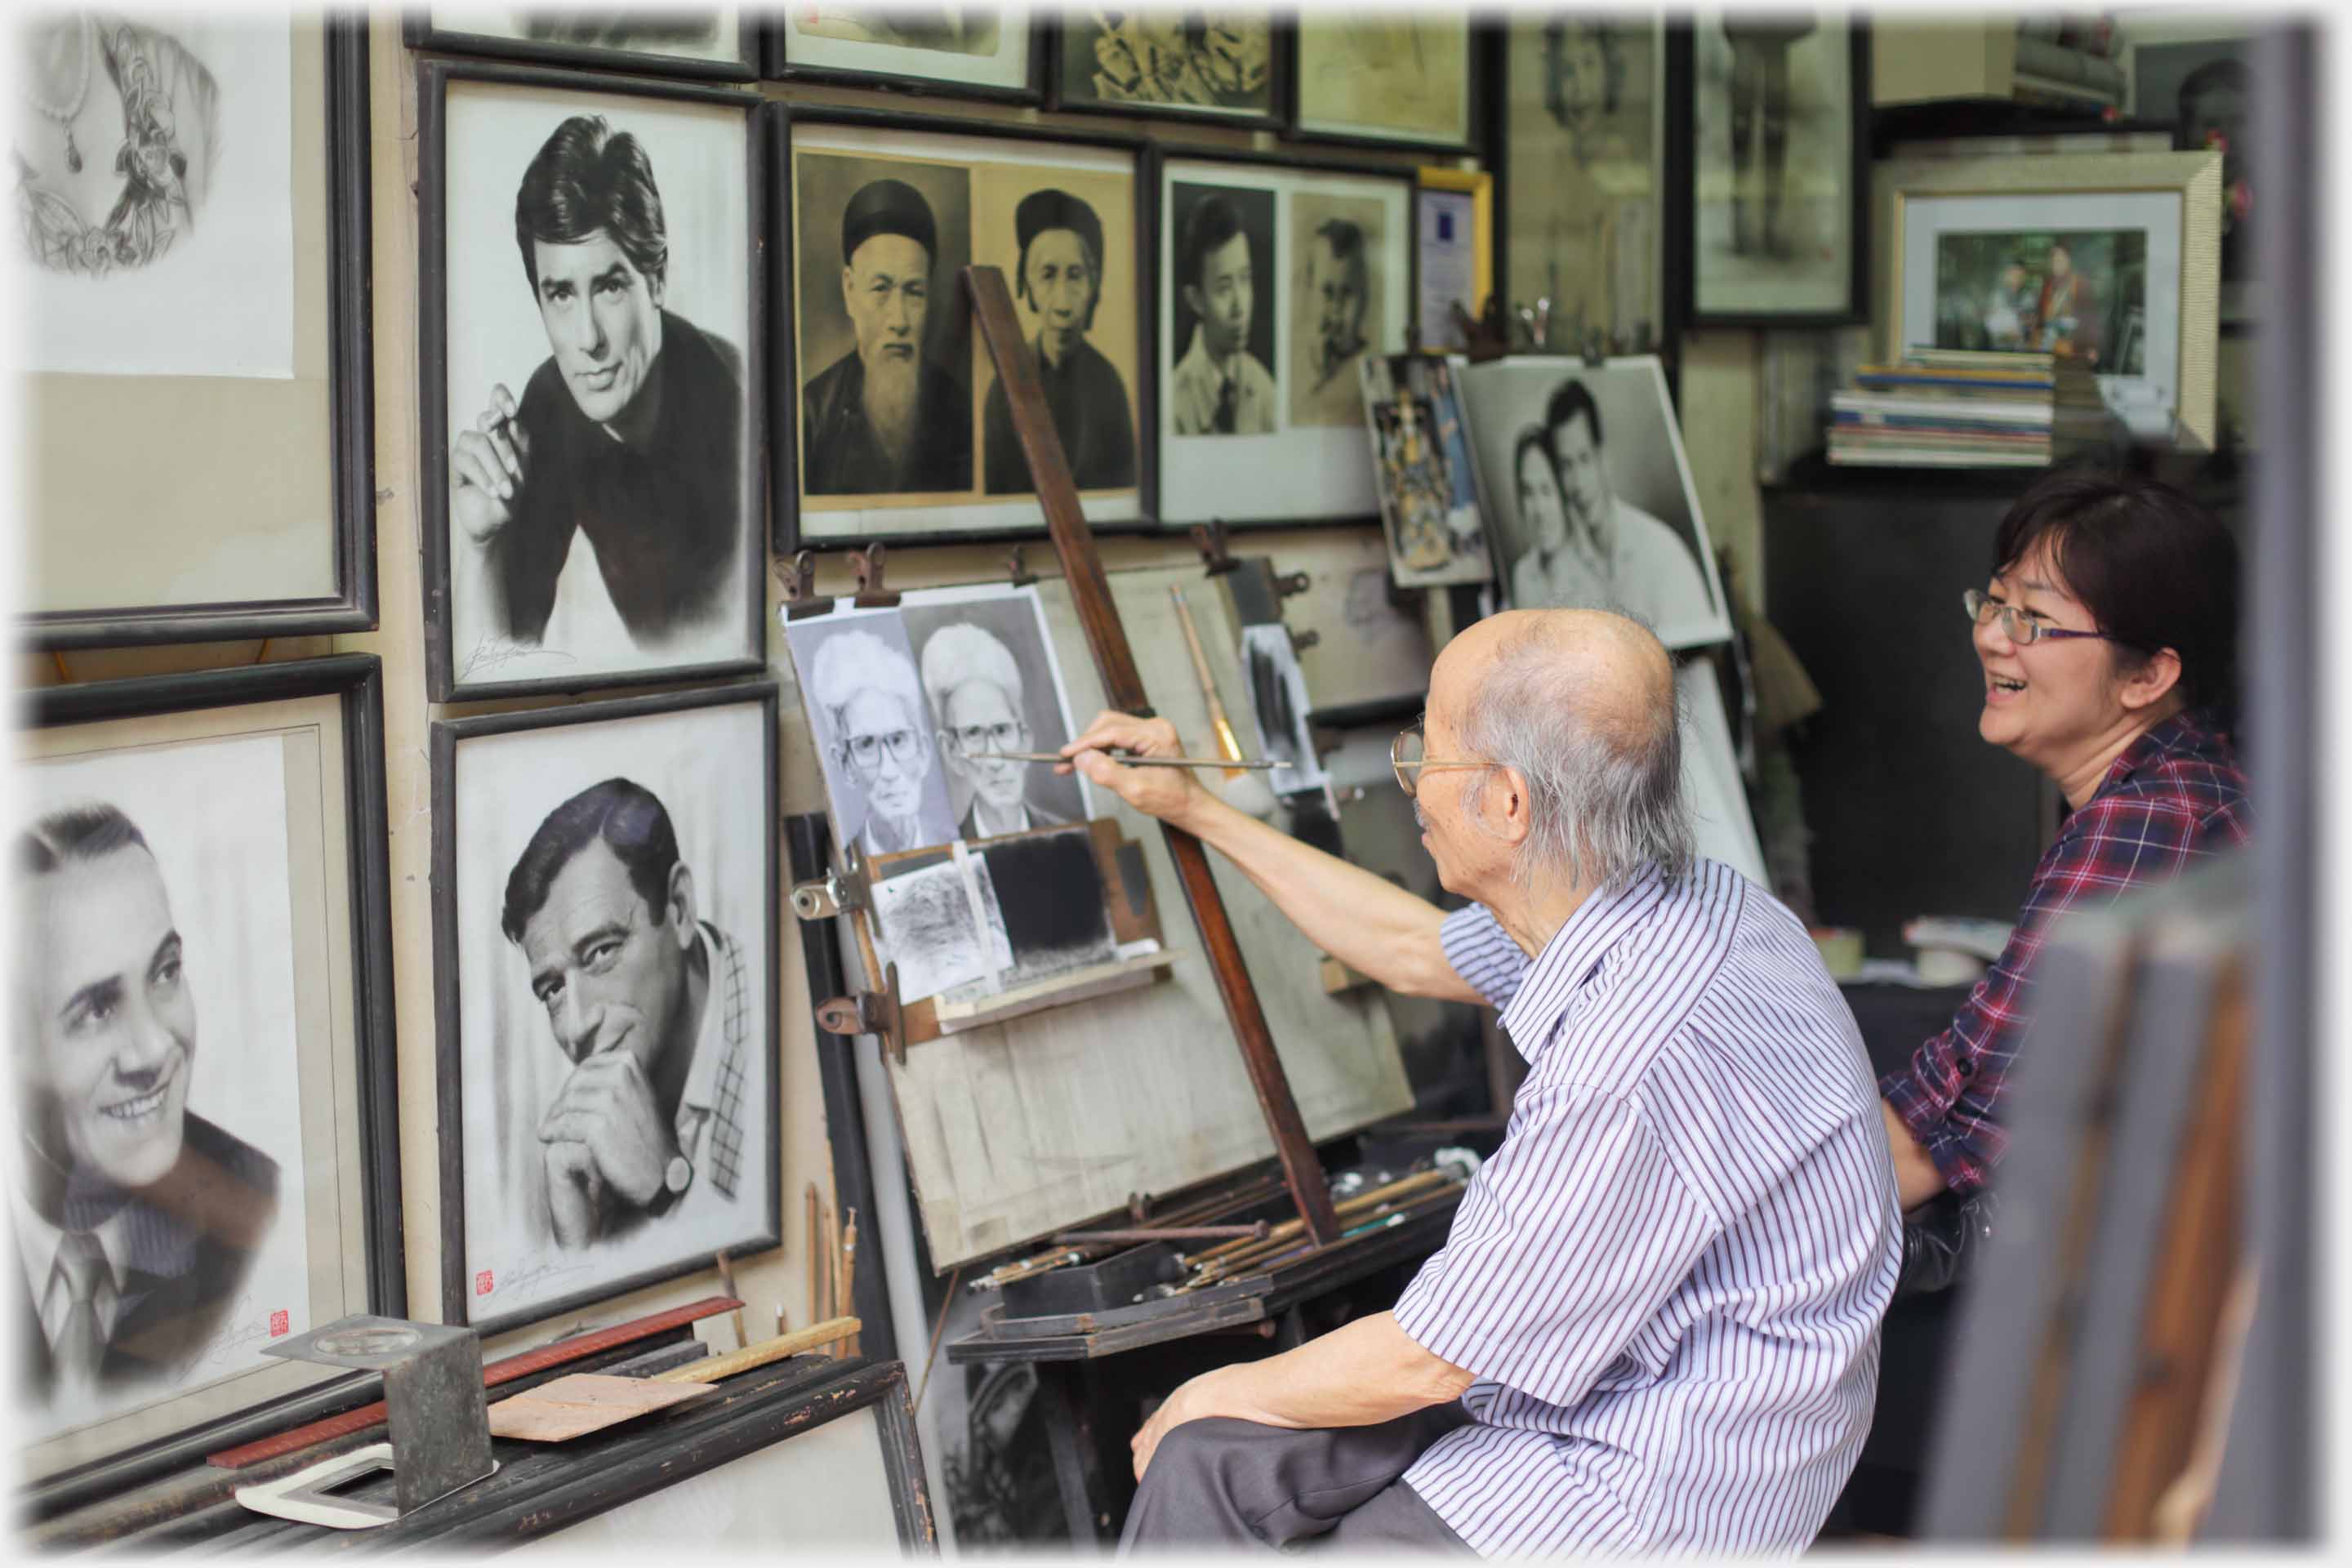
x: 706, y: 348
x: 941, y: 386
x: 830, y: 385
x: 1254, y: 374
x: 234, y: 1158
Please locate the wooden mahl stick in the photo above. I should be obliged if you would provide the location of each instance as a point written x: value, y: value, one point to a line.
x: 760, y: 1355
x: 815, y: 1257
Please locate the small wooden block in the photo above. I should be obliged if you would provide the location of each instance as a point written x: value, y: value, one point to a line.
x: 582, y: 1402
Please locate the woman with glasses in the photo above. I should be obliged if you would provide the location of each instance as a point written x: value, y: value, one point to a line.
x: 879, y: 743
x: 2107, y: 637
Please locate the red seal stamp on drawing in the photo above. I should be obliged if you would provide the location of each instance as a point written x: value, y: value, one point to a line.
x: 279, y: 1324
x: 482, y: 1283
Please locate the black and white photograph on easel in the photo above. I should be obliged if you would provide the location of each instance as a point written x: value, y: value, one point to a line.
x: 1592, y: 497
x: 992, y: 686
x: 604, y: 930
x: 202, y: 996
x: 593, y: 489
x: 1277, y: 278
x: 876, y: 738
x: 1770, y: 123
x: 1278, y: 696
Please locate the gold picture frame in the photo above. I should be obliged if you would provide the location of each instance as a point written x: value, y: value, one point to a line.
x: 2171, y: 201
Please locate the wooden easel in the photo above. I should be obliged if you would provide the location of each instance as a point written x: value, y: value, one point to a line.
x: 1074, y: 541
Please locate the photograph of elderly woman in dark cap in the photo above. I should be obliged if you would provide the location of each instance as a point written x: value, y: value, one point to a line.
x: 1058, y: 282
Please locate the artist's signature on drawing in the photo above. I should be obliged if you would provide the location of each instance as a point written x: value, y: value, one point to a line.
x: 521, y: 1279
x: 494, y: 653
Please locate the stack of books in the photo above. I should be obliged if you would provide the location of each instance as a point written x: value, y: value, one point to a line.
x: 1961, y: 408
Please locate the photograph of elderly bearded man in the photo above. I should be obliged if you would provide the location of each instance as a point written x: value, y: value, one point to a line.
x: 884, y: 335
x: 600, y: 511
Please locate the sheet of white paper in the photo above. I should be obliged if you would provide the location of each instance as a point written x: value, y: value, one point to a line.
x: 1711, y: 786
x: 1448, y: 264
x: 219, y: 302
x: 925, y: 926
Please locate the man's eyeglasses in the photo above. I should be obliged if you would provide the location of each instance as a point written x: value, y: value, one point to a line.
x: 2019, y: 625
x: 1010, y: 735
x: 903, y: 745
x: 1405, y: 756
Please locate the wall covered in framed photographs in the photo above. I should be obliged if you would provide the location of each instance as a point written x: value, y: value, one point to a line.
x: 197, y: 406
x: 206, y: 996
x: 902, y: 429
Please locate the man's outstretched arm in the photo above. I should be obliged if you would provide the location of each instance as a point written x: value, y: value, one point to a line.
x: 1364, y: 920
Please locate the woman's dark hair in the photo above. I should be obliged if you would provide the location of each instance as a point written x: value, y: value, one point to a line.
x: 2154, y: 569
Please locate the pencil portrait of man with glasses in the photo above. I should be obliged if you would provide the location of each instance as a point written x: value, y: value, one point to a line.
x: 874, y: 730
x: 979, y: 696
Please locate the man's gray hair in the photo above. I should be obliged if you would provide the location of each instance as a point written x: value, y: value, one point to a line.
x: 960, y: 651
x: 1604, y: 789
x: 855, y: 661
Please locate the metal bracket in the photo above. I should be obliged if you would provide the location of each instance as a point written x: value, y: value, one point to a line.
x: 796, y: 575
x: 1290, y: 584
x: 1017, y: 569
x: 876, y: 1013
x: 1596, y: 349
x: 1209, y: 539
x: 867, y: 565
x: 837, y: 892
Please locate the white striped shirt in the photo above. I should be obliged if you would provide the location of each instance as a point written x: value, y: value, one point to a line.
x: 1669, y: 1278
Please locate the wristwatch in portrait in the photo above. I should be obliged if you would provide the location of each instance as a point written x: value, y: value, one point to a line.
x: 677, y: 1176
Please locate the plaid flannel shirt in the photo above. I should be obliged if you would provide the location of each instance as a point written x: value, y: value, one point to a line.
x: 2175, y: 795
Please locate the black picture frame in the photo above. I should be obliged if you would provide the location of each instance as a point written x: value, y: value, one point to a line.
x: 775, y: 67
x: 419, y: 32
x: 1402, y: 176
x: 350, y: 414
x: 1279, y: 41
x: 1477, y: 85
x: 434, y: 421
x: 447, y: 735
x: 357, y: 681
x: 783, y: 397
x: 1681, y: 230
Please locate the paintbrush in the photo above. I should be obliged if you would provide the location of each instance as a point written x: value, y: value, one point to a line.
x: 1124, y: 758
x: 1229, y: 745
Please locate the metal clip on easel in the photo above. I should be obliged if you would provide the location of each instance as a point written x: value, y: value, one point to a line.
x: 1017, y: 570
x: 867, y: 565
x: 1209, y: 539
x: 796, y: 575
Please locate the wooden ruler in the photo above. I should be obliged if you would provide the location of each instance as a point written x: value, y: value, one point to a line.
x: 578, y: 1347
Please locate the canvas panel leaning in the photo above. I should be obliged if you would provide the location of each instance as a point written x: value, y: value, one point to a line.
x: 608, y: 929
x: 910, y: 708
x: 1592, y: 497
x: 1428, y: 480
x: 602, y: 517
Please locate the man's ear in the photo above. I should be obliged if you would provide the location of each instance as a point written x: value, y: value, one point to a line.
x: 1504, y: 807
x: 1196, y: 301
x: 655, y: 284
x: 2153, y: 681
x: 848, y: 287
x: 681, y: 904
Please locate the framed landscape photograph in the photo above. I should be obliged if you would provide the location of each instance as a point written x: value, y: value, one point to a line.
x: 604, y: 950
x: 1278, y: 277
x: 686, y: 40
x: 208, y: 1154
x: 1768, y: 154
x: 1225, y: 65
x: 967, y: 51
x: 894, y: 424
x: 1388, y: 77
x: 198, y: 377
x: 2110, y: 259
x: 592, y: 367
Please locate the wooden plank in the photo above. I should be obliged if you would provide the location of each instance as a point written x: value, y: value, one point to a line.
x: 584, y: 1402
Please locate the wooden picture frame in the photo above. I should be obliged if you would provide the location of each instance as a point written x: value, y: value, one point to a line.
x: 1060, y: 64
x: 460, y: 841
x: 2172, y: 201
x: 420, y: 32
x: 1307, y: 41
x: 1703, y: 300
x: 359, y: 1095
x: 976, y: 511
x: 716, y: 644
x: 348, y: 512
x: 897, y: 68
x: 1313, y: 447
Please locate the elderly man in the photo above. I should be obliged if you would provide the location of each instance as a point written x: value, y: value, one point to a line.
x: 975, y: 689
x: 136, y: 1218
x: 877, y: 733
x: 1330, y: 389
x: 1651, y: 571
x: 1654, y: 1323
x: 884, y: 420
x: 649, y: 1005
x: 1059, y: 275
x: 630, y: 432
x: 1220, y: 388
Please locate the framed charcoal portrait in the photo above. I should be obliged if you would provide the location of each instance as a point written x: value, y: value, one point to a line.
x: 1589, y: 497
x: 1428, y: 481
x: 1581, y: 162
x: 1280, y: 278
x: 964, y: 51
x: 605, y: 941
x: 1386, y: 78
x: 1768, y: 168
x: 709, y: 41
x: 1225, y: 65
x: 208, y: 1157
x: 2196, y: 74
x: 896, y: 423
x: 593, y: 372
x: 198, y: 394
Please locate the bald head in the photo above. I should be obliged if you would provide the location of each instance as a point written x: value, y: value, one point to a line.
x: 1580, y: 705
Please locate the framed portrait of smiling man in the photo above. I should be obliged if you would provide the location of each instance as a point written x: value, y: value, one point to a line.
x: 605, y: 939
x: 206, y: 1159
x: 592, y: 353
x: 896, y: 423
